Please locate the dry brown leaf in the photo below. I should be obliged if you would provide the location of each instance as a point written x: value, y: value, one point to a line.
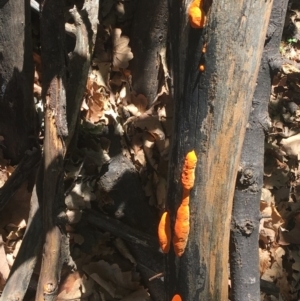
x: 140, y: 102
x: 140, y: 295
x: 122, y: 248
x: 4, y: 267
x: 80, y: 197
x: 75, y: 287
x: 105, y: 285
x: 121, y: 51
x: 293, y: 236
x: 150, y: 124
x: 74, y: 216
x: 264, y: 260
x: 291, y: 145
x: 288, y: 68
x: 122, y: 281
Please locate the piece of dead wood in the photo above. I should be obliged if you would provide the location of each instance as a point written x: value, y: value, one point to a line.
x: 269, y: 288
x: 56, y: 131
x: 20, y: 174
x: 31, y: 247
x: 122, y: 230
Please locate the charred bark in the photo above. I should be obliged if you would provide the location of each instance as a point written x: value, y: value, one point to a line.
x: 56, y: 131
x: 16, y: 79
x: 27, y: 165
x: 148, y: 42
x: 211, y: 114
x: 244, y: 256
x: 30, y: 250
x: 85, y: 21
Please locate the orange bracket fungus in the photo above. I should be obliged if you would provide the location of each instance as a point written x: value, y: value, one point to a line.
x: 164, y: 232
x: 176, y: 298
x: 182, y: 222
x: 196, y: 14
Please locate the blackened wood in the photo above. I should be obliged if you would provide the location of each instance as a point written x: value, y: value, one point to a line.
x: 31, y: 247
x: 122, y: 183
x: 122, y: 230
x: 148, y: 39
x: 28, y: 163
x: 244, y: 255
x: 16, y: 79
x: 53, y: 56
x: 86, y: 21
x: 211, y: 114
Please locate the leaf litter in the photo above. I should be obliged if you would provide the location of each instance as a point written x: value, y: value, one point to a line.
x: 106, y: 268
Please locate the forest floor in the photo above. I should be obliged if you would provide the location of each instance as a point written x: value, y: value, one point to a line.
x: 113, y: 114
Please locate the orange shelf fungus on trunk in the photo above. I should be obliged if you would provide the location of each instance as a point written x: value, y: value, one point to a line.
x: 196, y: 14
x: 176, y: 298
x: 164, y: 232
x: 182, y: 222
x: 188, y: 171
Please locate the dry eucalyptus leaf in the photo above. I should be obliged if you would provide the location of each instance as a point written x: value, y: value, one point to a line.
x: 140, y: 101
x: 288, y: 68
x: 291, y: 145
x: 75, y: 287
x: 121, y: 51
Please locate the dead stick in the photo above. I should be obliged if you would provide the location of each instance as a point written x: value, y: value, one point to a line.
x: 20, y: 174
x: 122, y: 230
x: 22, y: 269
x: 56, y: 131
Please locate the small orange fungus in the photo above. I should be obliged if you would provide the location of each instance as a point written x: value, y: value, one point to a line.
x: 176, y: 298
x: 196, y: 14
x: 201, y: 68
x: 182, y: 222
x: 164, y: 232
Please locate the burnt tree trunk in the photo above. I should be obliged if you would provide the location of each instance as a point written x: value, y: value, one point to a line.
x: 148, y: 42
x: 16, y: 78
x: 211, y: 114
x: 244, y: 256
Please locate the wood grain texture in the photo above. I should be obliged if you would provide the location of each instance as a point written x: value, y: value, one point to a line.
x: 217, y: 103
x: 56, y: 130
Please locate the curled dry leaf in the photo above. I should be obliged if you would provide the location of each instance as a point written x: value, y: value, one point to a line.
x: 121, y: 51
x: 75, y: 287
x: 150, y: 124
x: 80, y: 197
x: 293, y: 236
x: 116, y: 283
x: 74, y: 216
x: 291, y: 145
x: 269, y: 225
